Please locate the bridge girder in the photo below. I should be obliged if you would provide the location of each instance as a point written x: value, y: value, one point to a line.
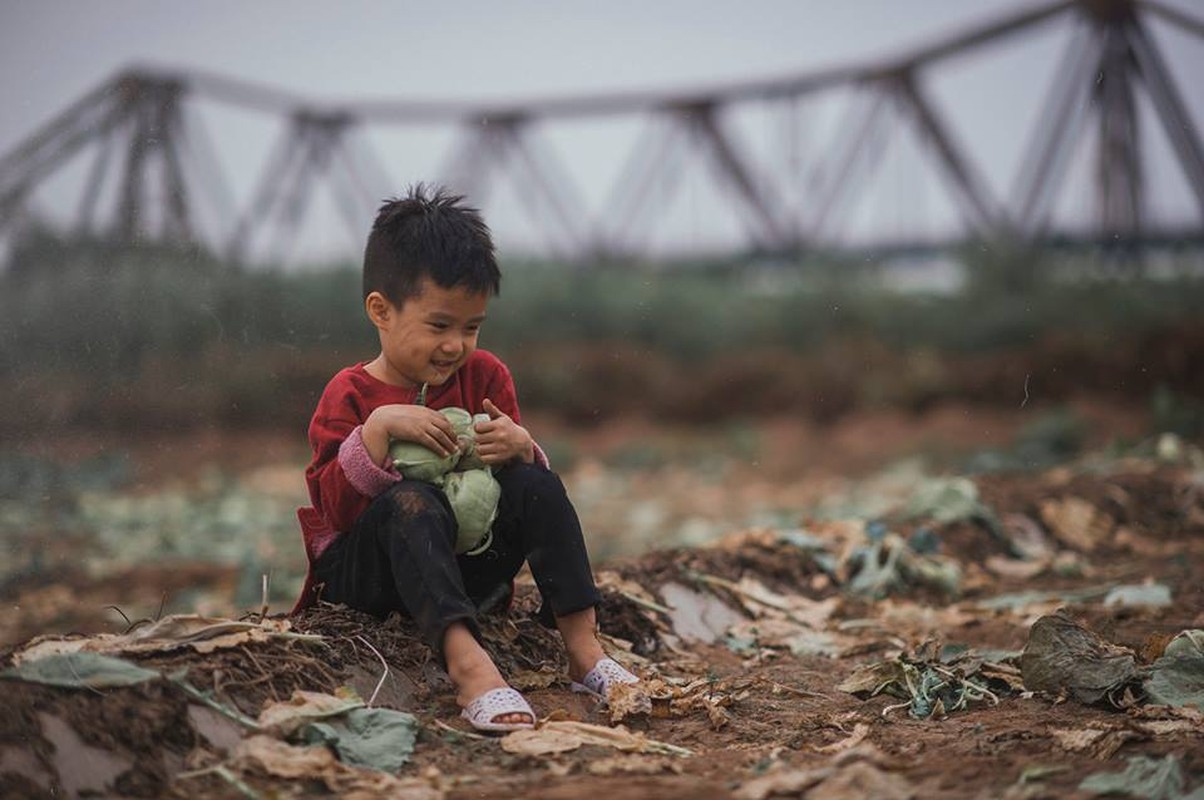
x: 140, y: 116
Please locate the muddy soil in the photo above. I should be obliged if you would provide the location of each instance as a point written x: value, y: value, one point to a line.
x: 763, y: 719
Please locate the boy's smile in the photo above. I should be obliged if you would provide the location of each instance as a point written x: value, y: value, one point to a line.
x: 429, y: 337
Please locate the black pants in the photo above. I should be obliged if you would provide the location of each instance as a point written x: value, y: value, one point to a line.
x: 399, y: 555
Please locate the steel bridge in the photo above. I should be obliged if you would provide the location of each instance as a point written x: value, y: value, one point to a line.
x: 151, y: 153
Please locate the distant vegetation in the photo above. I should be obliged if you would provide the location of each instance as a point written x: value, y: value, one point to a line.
x: 104, y: 331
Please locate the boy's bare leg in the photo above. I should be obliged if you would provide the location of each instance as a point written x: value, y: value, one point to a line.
x: 579, y: 631
x: 472, y: 670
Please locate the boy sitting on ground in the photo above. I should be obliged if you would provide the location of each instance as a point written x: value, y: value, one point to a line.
x: 380, y: 542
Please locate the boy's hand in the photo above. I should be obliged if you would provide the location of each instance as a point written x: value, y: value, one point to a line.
x: 418, y: 424
x: 501, y: 439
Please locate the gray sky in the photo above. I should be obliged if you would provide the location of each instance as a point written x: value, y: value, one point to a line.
x: 52, y: 52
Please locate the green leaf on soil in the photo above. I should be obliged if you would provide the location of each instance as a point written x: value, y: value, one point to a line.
x: 80, y: 671
x: 1177, y: 678
x: 1147, y: 778
x: 377, y: 738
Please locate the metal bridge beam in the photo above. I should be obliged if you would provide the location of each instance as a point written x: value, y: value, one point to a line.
x: 1168, y: 102
x: 144, y: 111
x: 736, y: 172
x: 983, y: 215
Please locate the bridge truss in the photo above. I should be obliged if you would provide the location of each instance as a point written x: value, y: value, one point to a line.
x: 146, y: 138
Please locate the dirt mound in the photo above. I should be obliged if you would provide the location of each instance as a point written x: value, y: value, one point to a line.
x: 844, y: 658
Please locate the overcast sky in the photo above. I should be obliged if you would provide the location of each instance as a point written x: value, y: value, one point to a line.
x: 52, y: 51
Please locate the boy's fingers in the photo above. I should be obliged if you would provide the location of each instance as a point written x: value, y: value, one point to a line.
x: 438, y: 444
x: 493, y: 411
x: 444, y: 440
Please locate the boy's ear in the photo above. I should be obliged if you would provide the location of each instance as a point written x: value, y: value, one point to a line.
x: 378, y: 308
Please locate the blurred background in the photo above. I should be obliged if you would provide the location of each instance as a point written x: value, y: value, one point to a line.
x: 752, y: 254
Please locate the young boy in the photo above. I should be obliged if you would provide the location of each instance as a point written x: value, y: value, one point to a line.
x: 379, y: 542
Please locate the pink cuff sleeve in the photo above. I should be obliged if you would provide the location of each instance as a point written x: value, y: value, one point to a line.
x: 367, y: 478
x: 541, y: 458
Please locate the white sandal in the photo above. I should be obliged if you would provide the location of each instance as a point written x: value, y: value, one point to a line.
x: 482, y: 711
x: 599, y: 679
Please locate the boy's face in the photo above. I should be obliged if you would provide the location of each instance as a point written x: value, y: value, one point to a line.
x: 430, y: 336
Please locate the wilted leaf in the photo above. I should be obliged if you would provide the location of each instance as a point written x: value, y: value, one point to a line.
x: 284, y: 760
x: 632, y: 763
x: 1143, y: 595
x: 1177, y: 678
x: 203, y: 634
x: 860, y: 731
x: 1076, y: 522
x: 1098, y: 743
x: 80, y: 671
x: 626, y: 700
x: 871, y: 678
x: 559, y: 736
x: 376, y: 738
x: 302, y: 708
x: 1153, y: 779
x: 1063, y: 656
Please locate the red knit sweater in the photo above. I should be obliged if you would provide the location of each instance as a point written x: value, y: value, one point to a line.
x: 342, y: 478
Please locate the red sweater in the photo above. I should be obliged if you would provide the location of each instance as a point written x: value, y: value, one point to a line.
x: 342, y: 478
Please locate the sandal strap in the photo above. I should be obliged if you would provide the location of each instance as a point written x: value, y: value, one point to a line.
x: 604, y: 673
x: 483, y: 710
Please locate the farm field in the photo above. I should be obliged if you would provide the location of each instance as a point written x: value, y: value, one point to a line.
x: 754, y: 574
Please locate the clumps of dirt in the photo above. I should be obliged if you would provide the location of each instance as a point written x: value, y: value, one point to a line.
x: 518, y: 640
x: 348, y: 633
x: 142, y: 731
x: 1160, y: 501
x: 622, y: 618
x: 72, y: 599
x: 761, y: 554
x: 250, y: 675
x: 523, y: 639
x: 970, y: 542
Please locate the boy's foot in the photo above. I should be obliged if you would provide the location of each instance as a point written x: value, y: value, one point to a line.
x: 498, y: 710
x: 604, y: 674
x: 475, y: 678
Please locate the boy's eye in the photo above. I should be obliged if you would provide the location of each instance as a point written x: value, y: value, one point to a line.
x: 439, y: 326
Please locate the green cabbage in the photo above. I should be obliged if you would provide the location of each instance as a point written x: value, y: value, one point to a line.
x: 467, y: 481
x: 474, y: 497
x: 418, y: 462
x: 468, y: 445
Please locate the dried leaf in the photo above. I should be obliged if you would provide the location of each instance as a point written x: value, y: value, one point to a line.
x: 525, y: 679
x: 784, y: 782
x: 283, y: 760
x: 1014, y: 568
x: 870, y: 678
x: 304, y: 707
x: 1157, y: 779
x: 1063, y: 656
x: 627, y: 700
x: 203, y: 634
x: 1100, y: 744
x: 635, y: 764
x: 860, y: 731
x: 1076, y: 522
x: 564, y: 735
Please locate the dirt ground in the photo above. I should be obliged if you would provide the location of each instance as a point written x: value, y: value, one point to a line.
x: 742, y: 639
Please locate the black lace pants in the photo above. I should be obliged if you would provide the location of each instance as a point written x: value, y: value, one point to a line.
x: 399, y: 555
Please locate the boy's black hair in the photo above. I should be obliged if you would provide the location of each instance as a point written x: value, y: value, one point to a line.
x: 430, y: 232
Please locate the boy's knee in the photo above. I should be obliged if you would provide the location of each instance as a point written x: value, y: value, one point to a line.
x: 414, y: 499
x: 533, y: 478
